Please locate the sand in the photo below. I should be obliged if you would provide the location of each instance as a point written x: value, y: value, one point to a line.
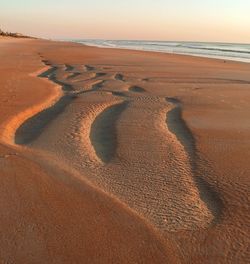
x: 118, y: 156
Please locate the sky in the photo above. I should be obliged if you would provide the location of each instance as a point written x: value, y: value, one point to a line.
x: 176, y: 20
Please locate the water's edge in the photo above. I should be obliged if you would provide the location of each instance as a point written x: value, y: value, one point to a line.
x: 223, y: 51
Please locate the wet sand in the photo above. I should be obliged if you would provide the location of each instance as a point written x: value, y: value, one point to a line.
x: 117, y: 156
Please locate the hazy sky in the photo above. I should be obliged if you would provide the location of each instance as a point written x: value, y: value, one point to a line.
x: 197, y: 20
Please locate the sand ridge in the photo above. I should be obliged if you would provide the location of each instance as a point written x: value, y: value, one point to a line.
x: 102, y: 139
x: 46, y: 212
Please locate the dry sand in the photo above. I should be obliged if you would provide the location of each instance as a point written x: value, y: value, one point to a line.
x: 117, y: 156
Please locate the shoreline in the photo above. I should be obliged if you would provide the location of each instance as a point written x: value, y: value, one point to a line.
x: 139, y: 75
x: 216, y: 57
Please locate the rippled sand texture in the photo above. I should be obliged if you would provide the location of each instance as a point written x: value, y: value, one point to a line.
x: 161, y: 139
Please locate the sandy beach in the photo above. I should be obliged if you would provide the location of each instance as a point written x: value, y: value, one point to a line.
x: 121, y: 156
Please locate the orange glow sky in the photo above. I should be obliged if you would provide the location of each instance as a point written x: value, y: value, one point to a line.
x: 190, y: 20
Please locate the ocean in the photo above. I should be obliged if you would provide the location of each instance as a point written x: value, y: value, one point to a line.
x: 225, y: 51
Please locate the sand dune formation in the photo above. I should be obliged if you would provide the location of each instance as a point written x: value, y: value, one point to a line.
x: 116, y: 156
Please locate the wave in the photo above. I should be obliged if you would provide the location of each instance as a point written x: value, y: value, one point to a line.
x: 219, y: 49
